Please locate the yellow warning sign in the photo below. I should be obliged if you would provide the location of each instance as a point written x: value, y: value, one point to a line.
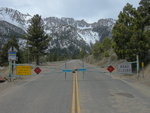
x: 23, y: 70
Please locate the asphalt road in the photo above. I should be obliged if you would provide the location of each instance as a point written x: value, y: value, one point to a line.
x: 49, y: 92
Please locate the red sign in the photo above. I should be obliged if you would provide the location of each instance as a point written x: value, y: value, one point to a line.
x: 37, y: 70
x: 2, y: 79
x: 110, y: 68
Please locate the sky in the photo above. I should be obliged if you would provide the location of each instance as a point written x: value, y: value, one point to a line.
x: 89, y: 10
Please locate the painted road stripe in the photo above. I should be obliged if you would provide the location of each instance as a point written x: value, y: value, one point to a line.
x: 75, y: 95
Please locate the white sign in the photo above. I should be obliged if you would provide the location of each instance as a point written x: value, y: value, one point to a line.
x: 124, y: 68
x: 12, y: 55
x: 12, y: 49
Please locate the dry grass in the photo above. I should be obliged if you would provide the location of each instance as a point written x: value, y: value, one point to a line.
x: 112, y: 60
x: 4, y: 71
x: 146, y: 79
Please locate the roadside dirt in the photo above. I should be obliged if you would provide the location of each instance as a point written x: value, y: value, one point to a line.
x: 144, y: 76
x: 112, y: 60
x: 141, y: 83
x: 23, y: 79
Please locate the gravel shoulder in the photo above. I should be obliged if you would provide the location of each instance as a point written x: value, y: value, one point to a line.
x: 141, y: 84
x: 6, y: 86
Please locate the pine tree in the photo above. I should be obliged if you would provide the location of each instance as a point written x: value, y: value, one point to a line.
x: 36, y: 38
x: 4, y: 53
x: 101, y: 49
x: 97, y: 49
x: 122, y: 32
x: 83, y: 52
x: 128, y: 35
x: 144, y: 10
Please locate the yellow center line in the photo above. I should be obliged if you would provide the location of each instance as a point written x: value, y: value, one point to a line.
x: 75, y: 94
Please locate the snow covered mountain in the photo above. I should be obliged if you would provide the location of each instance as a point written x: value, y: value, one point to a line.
x: 66, y: 33
x: 89, y: 32
x: 15, y: 17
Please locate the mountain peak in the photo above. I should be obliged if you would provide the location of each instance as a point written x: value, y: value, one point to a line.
x: 14, y: 17
x: 80, y: 29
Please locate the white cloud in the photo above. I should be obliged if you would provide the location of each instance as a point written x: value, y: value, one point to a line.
x: 90, y: 10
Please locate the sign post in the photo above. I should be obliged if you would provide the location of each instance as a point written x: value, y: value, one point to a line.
x: 12, y: 59
x: 10, y: 70
x: 142, y: 64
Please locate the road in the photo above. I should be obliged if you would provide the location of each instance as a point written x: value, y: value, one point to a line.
x: 97, y: 92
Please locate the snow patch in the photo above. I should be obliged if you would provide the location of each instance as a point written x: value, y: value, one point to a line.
x: 88, y: 36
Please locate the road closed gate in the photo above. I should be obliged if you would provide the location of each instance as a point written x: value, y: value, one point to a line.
x: 124, y: 68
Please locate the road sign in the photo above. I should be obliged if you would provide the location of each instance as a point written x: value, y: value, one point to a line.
x: 124, y: 68
x: 12, y: 49
x: 23, y: 70
x: 110, y: 68
x: 2, y: 79
x: 37, y: 70
x: 12, y: 55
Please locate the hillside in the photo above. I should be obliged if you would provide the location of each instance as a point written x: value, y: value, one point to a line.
x: 68, y: 36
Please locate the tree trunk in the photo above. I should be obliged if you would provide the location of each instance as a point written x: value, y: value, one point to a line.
x: 37, y: 60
